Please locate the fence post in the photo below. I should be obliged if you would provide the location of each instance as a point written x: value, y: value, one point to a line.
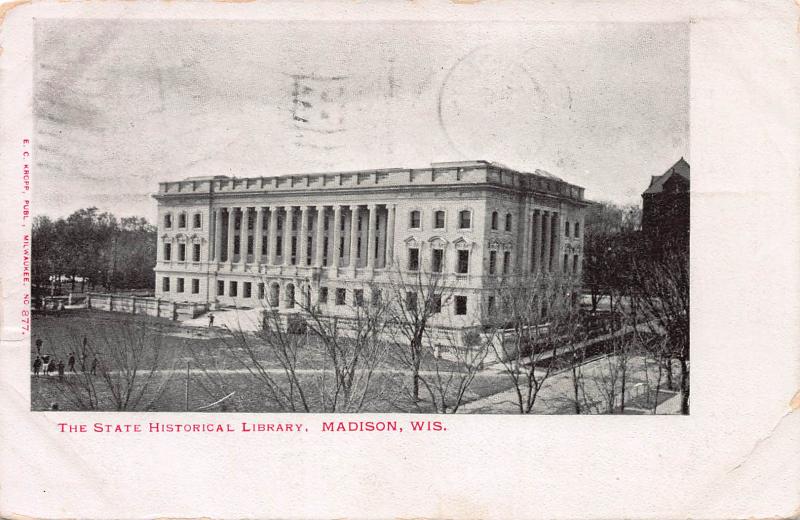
x: 158, y: 307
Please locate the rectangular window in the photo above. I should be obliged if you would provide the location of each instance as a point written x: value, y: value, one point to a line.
x: 492, y: 262
x: 251, y: 221
x: 326, y: 223
x: 195, y: 286
x: 414, y: 219
x: 294, y: 250
x: 341, y: 296
x: 279, y: 222
x: 436, y: 303
x: 310, y: 224
x: 461, y: 305
x: 577, y: 229
x: 220, y: 288
x: 413, y: 259
x: 358, y: 247
x: 376, y: 297
x: 168, y: 220
x: 182, y: 220
x: 165, y: 284
x: 566, y: 263
x: 279, y: 246
x: 325, y: 251
x: 566, y: 228
x: 490, y: 305
x: 437, y: 260
x: 196, y: 252
x: 264, y: 246
x: 236, y: 245
x: 250, y: 244
x: 198, y: 220
x: 294, y: 221
x: 323, y: 295
x: 464, y: 219
x: 360, y: 221
x: 358, y: 297
x: 308, y: 251
x: 179, y: 285
x: 438, y: 220
x: 411, y: 300
x: 182, y: 252
x: 341, y: 247
x: 575, y: 263
x: 233, y: 289
x: 463, y: 262
x: 167, y: 251
x: 247, y: 289
x: 506, y: 262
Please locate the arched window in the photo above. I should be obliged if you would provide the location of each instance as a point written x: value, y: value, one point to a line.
x: 464, y: 219
x: 494, y: 220
x: 566, y: 228
x: 508, y: 221
x: 414, y: 219
x: 577, y: 229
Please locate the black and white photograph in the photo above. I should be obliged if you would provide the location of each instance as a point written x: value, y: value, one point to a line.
x: 472, y: 218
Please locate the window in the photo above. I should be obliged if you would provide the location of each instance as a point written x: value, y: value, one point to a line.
x: 492, y: 262
x: 179, y: 285
x: 341, y: 223
x: 250, y: 244
x: 294, y: 250
x: 577, y: 229
x: 494, y: 220
x: 294, y: 220
x: 358, y: 297
x: 376, y: 297
x: 220, y: 288
x: 463, y: 262
x: 182, y: 220
x: 358, y: 247
x: 279, y: 222
x: 233, y: 289
x: 247, y: 289
x: 506, y: 262
x: 250, y: 221
x: 308, y: 251
x: 197, y: 220
x: 464, y: 219
x: 196, y: 252
x: 509, y: 219
x: 566, y: 228
x: 575, y: 263
x: 461, y: 305
x: 325, y: 252
x: 168, y: 220
x: 436, y: 303
x: 323, y: 295
x: 413, y: 259
x: 182, y: 252
x: 341, y: 295
x: 414, y: 220
x: 167, y: 251
x: 566, y: 263
x: 236, y: 245
x: 341, y: 247
x: 438, y: 219
x: 195, y: 286
x: 165, y: 284
x: 264, y: 246
x: 437, y: 260
x: 279, y: 246
x: 360, y: 221
x: 490, y: 305
x: 411, y: 300
x: 326, y: 223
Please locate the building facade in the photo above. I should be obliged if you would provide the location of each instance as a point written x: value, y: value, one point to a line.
x: 665, y: 206
x: 338, y: 240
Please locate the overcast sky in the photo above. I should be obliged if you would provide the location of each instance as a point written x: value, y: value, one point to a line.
x: 121, y: 106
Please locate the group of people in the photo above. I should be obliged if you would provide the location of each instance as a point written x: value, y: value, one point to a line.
x: 48, y: 364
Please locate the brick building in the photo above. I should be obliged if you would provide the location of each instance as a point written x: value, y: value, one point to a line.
x: 665, y: 205
x: 338, y: 239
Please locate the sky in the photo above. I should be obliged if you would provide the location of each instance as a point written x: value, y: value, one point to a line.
x: 120, y: 106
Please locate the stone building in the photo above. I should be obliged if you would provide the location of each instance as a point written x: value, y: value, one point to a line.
x: 665, y: 206
x: 339, y: 239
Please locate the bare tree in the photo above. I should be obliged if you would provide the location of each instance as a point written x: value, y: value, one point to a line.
x: 533, y: 320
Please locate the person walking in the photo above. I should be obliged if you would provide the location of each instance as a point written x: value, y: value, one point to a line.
x: 46, y: 364
x: 60, y: 369
x: 71, y: 362
x: 51, y: 367
x: 94, y: 366
x: 39, y: 346
x: 37, y: 365
x: 210, y: 320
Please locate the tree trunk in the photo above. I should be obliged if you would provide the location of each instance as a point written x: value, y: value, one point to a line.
x: 415, y: 391
x: 684, y: 387
x: 668, y: 367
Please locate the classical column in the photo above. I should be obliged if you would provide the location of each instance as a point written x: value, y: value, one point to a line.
x: 244, y: 235
x: 287, y: 236
x: 372, y: 235
x: 258, y: 229
x: 303, y: 236
x: 272, y: 239
x: 337, y: 234
x: 390, y: 235
x: 320, y: 240
x: 555, y: 254
x: 354, y: 212
x: 546, y: 242
x: 218, y: 235
x: 231, y: 232
x: 536, y: 248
